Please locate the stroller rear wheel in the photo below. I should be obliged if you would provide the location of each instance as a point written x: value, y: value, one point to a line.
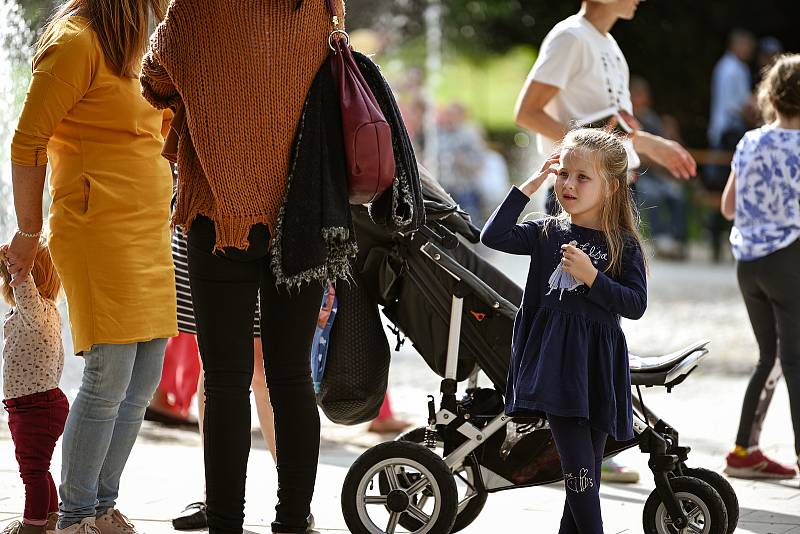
x: 418, y: 484
x: 471, y: 495
x: 723, y: 487
x: 701, y: 503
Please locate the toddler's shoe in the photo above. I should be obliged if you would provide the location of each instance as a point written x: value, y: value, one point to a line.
x: 114, y: 522
x: 755, y: 465
x: 86, y: 526
x: 52, y: 521
x: 18, y: 527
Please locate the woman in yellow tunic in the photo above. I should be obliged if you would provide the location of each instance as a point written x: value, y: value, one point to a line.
x: 110, y: 241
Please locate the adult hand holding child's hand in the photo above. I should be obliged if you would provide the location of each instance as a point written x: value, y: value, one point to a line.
x: 577, y: 263
x: 19, y: 257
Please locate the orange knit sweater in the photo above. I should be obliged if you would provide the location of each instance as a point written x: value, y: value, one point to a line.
x: 242, y: 70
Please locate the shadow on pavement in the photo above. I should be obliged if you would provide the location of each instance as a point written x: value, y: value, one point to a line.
x: 762, y: 522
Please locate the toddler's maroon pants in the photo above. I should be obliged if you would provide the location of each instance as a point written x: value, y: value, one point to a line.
x: 36, y: 422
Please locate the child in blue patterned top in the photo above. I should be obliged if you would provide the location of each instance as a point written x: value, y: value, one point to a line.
x: 763, y: 198
x: 569, y: 355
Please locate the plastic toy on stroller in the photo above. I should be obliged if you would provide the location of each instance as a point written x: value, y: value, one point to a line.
x: 458, y: 311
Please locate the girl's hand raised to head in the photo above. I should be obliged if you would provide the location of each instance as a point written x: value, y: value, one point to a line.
x: 549, y: 167
x: 577, y: 263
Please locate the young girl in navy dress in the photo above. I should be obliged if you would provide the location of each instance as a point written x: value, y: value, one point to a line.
x: 569, y: 356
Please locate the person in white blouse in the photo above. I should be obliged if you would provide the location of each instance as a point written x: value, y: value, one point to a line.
x: 581, y: 75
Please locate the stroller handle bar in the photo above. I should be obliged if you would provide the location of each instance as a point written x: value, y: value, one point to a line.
x: 476, y: 286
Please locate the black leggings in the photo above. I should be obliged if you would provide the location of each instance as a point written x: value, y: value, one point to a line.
x: 225, y: 287
x: 581, y: 450
x: 771, y: 290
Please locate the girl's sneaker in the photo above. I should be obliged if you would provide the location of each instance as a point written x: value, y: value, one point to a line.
x: 114, y: 522
x: 755, y: 465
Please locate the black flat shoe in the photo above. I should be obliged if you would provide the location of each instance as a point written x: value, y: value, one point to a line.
x: 309, y: 522
x: 193, y: 517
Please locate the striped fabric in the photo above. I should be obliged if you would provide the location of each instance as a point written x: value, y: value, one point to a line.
x: 185, y: 308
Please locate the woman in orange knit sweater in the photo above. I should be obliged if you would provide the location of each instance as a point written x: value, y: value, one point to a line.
x: 242, y: 71
x: 109, y: 236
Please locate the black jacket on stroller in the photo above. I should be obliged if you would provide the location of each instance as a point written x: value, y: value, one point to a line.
x: 392, y: 270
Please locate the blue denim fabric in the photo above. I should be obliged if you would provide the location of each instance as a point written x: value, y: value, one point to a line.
x: 118, y: 383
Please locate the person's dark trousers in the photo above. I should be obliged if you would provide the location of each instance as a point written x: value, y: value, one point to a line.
x: 36, y: 422
x: 581, y: 450
x: 771, y: 290
x: 225, y: 286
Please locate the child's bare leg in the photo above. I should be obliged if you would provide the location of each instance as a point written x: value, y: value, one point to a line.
x: 263, y: 406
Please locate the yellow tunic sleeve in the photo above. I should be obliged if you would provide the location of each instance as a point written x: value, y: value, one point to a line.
x: 63, y: 70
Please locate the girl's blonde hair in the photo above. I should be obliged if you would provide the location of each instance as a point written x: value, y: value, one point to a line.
x: 122, y: 26
x: 44, y: 275
x: 779, y: 91
x: 619, y: 216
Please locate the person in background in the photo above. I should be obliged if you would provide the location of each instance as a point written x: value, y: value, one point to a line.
x: 661, y: 199
x: 762, y: 197
x: 413, y: 106
x: 731, y: 106
x: 109, y: 236
x: 33, y: 359
x: 581, y: 71
x: 731, y: 90
x: 768, y: 50
x: 387, y: 422
x: 460, y: 161
x: 494, y: 179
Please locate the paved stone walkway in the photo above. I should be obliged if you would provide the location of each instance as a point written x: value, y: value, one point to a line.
x: 687, y: 301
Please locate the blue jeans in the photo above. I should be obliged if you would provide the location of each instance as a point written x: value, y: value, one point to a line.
x: 118, y: 383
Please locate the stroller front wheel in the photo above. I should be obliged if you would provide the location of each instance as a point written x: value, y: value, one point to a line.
x: 471, y: 495
x: 723, y: 487
x: 701, y: 503
x: 418, y: 485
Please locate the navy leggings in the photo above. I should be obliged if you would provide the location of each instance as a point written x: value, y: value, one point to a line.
x: 581, y: 450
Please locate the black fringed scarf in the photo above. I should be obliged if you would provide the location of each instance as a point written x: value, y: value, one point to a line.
x: 314, y: 237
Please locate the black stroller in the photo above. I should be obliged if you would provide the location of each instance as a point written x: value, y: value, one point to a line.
x: 458, y: 311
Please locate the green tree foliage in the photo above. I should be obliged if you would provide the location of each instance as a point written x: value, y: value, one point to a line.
x: 36, y: 12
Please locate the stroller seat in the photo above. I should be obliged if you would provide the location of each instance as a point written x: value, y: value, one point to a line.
x: 668, y: 370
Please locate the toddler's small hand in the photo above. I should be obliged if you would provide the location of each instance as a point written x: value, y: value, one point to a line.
x: 577, y: 263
